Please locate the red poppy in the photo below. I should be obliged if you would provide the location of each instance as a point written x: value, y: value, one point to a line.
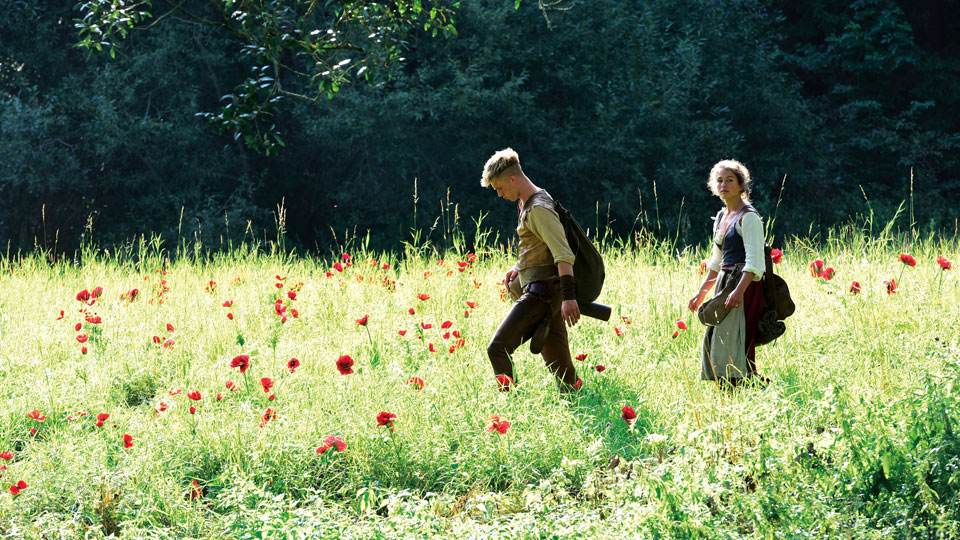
x: 14, y: 490
x: 157, y: 340
x: 582, y: 356
x: 61, y: 315
x: 703, y: 268
x: 231, y: 386
x: 101, y: 418
x: 338, y: 267
x: 345, y: 364
x: 776, y: 256
x: 228, y: 303
x: 941, y: 260
x: 193, y: 410
x: 681, y: 325
x: 82, y: 338
x: 385, y: 266
x: 175, y: 392
x: 230, y: 316
x: 127, y: 440
x: 676, y: 333
x: 169, y: 343
x: 628, y: 414
x: 332, y: 442
x: 579, y: 384
x: 504, y: 383
x: 362, y: 321
x: 891, y: 286
x: 618, y: 331
x: 161, y: 408
x: 446, y: 324
x: 83, y: 295
x: 446, y: 335
x: 466, y: 313
x: 95, y: 293
x: 278, y: 285
x: 401, y: 332
x: 291, y: 295
x: 241, y: 361
x: 828, y: 273
x: 170, y: 327
x: 907, y: 259
x: 293, y: 364
x: 294, y: 312
x: 495, y: 423
x: 471, y: 305
x: 266, y: 383
x: 196, y: 491
x: 426, y: 326
x: 855, y: 287
x: 412, y: 311
x: 600, y: 368
x: 432, y: 349
x: 386, y: 419
x: 194, y: 395
x: 417, y: 383
x: 816, y: 268
x: 35, y: 414
x: 83, y: 350
x: 6, y: 455
x: 422, y: 296
x: 93, y: 319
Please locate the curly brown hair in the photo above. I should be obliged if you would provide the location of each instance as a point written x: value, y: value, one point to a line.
x: 739, y: 169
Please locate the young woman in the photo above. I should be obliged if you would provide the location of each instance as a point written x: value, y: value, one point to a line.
x: 735, y: 270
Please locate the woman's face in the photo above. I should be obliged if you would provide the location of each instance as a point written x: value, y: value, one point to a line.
x: 728, y: 185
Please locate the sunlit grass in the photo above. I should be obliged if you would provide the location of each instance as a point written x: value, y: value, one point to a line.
x: 854, y: 435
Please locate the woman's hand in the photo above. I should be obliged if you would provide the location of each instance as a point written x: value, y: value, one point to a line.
x: 697, y: 300
x: 735, y: 299
x: 511, y: 275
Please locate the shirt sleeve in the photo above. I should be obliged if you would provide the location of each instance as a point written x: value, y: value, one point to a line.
x: 751, y: 230
x: 716, y: 258
x: 545, y: 223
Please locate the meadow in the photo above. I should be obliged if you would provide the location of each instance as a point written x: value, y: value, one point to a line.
x: 144, y: 395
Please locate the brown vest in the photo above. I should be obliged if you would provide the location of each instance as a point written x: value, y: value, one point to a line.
x: 534, y: 260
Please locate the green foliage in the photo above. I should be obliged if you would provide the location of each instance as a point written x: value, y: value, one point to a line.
x: 619, y: 113
x: 296, y: 49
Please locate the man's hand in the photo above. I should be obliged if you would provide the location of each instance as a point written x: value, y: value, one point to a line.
x: 511, y: 275
x: 570, y: 311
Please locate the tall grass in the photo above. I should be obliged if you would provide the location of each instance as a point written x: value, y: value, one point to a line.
x: 855, y: 436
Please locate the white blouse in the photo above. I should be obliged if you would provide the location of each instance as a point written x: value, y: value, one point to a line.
x: 750, y: 228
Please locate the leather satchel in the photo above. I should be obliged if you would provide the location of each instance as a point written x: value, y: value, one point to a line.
x: 776, y: 294
x: 777, y: 304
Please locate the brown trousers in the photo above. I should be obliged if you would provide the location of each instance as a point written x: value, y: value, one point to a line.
x: 539, y: 300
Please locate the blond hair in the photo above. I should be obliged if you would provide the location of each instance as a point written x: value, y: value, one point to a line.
x: 738, y: 169
x: 499, y: 163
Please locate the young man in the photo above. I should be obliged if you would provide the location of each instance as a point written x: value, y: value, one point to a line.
x: 545, y: 272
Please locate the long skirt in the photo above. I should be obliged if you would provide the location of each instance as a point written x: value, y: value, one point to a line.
x: 729, y: 351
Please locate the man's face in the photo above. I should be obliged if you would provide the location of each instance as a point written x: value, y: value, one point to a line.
x: 505, y: 187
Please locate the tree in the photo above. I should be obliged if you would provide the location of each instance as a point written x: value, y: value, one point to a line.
x: 304, y: 49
